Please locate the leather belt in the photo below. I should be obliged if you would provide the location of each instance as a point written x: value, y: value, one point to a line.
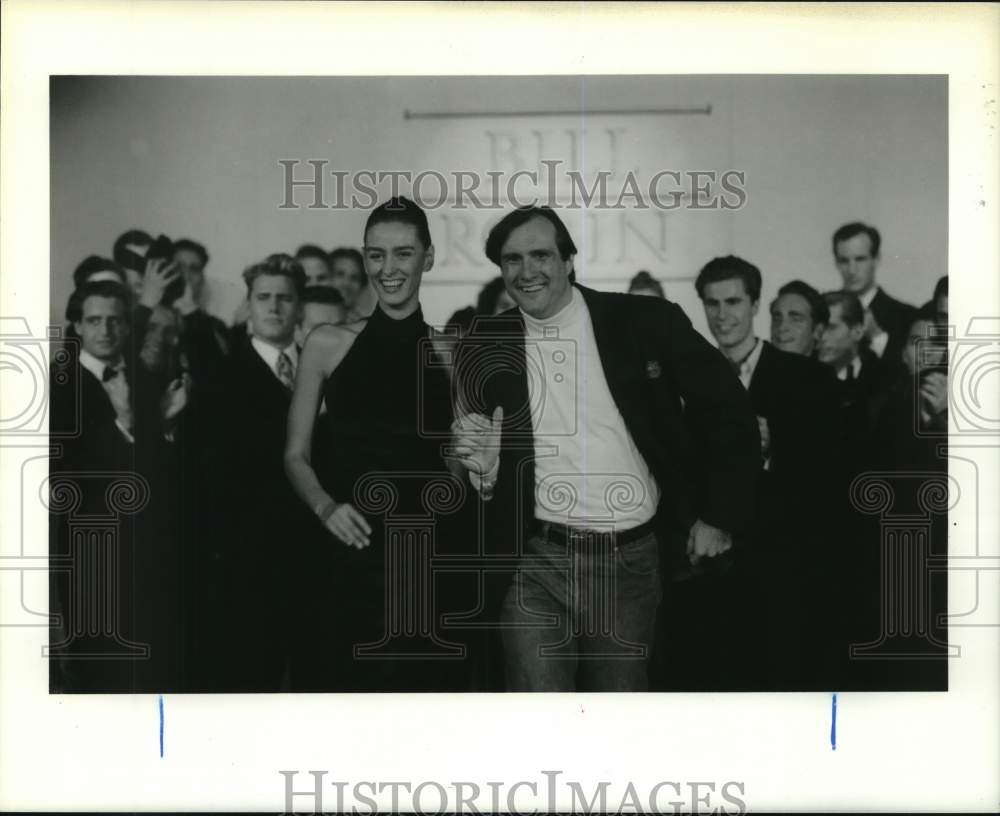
x: 579, y: 536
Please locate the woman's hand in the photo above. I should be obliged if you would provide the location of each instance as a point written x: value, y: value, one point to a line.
x: 349, y: 526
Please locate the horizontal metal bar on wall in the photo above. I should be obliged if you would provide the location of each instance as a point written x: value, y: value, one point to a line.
x: 705, y: 110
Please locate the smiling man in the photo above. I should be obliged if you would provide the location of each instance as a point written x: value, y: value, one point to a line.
x: 604, y: 430
x: 795, y: 400
x: 798, y: 316
x: 109, y: 421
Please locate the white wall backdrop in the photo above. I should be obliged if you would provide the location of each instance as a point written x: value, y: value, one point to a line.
x: 199, y: 157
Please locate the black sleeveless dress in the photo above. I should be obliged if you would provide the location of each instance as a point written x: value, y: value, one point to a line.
x: 388, y: 416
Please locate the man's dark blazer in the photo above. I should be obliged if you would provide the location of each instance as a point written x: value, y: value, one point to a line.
x: 861, y: 402
x: 895, y: 318
x: 82, y: 420
x: 688, y: 414
x: 205, y: 340
x: 92, y: 453
x: 799, y: 399
x: 261, y: 521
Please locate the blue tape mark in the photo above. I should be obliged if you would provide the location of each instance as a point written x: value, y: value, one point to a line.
x: 161, y: 726
x: 833, y: 725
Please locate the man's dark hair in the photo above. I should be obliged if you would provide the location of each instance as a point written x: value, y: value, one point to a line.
x: 312, y: 251
x: 400, y: 210
x: 105, y: 289
x: 277, y: 264
x: 644, y: 280
x: 522, y: 215
x: 941, y: 287
x: 93, y: 264
x: 848, y: 231
x: 326, y: 295
x: 926, y: 312
x: 125, y: 256
x: 850, y: 306
x: 193, y: 246
x: 819, y: 312
x: 352, y: 254
x: 486, y: 302
x: 727, y: 268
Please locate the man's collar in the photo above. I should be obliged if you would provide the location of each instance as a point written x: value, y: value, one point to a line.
x: 854, y: 366
x: 867, y: 298
x: 269, y: 354
x: 97, y: 367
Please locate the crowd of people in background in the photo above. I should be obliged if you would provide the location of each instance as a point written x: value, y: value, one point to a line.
x: 232, y: 579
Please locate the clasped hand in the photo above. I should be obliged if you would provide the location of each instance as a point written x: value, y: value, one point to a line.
x: 477, y: 441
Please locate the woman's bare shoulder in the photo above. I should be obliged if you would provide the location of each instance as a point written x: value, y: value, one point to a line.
x: 328, y: 343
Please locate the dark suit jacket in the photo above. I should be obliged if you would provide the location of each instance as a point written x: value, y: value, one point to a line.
x: 798, y: 397
x: 150, y: 559
x: 205, y: 341
x: 685, y: 409
x: 82, y: 421
x: 894, y: 317
x: 251, y: 418
x: 861, y: 402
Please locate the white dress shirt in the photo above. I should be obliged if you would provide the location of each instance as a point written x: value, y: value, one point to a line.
x: 880, y: 340
x: 854, y: 366
x: 269, y: 354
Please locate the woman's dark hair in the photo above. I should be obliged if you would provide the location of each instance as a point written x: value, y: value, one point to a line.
x: 402, y: 211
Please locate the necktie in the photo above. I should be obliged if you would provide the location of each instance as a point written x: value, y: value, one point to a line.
x: 285, y: 372
x: 110, y: 372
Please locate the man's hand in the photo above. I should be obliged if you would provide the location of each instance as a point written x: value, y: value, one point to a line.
x: 706, y: 541
x: 933, y: 394
x: 477, y: 440
x: 118, y: 392
x: 158, y: 276
x: 349, y: 526
x: 175, y: 398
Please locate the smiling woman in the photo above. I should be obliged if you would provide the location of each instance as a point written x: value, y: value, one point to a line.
x: 380, y: 458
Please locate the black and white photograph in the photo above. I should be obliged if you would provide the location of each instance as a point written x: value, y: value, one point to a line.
x: 402, y: 392
x: 486, y: 399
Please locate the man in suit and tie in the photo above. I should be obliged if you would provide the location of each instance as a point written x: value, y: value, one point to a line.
x: 263, y: 520
x: 856, y: 250
x: 109, y: 422
x: 862, y: 378
x: 794, y: 399
x: 604, y: 431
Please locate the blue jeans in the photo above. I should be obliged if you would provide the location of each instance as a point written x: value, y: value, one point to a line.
x: 580, y: 616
